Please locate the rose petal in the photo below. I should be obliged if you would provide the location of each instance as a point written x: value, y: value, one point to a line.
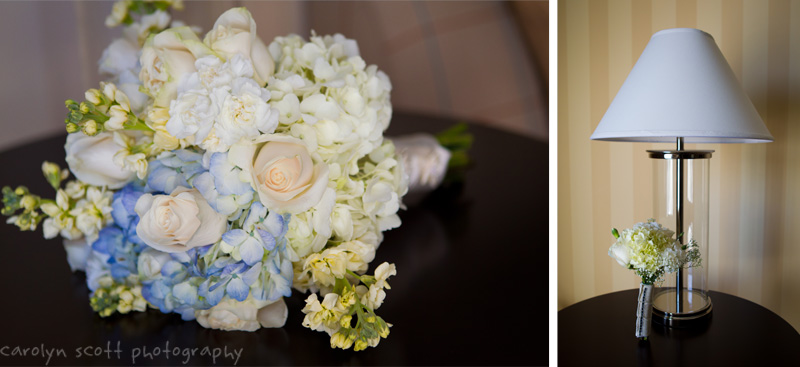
x: 273, y: 315
x: 214, y: 224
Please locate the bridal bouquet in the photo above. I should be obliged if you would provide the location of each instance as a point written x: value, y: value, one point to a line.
x: 215, y: 173
x: 649, y: 249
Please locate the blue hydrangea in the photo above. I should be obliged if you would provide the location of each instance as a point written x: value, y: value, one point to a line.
x: 174, y: 169
x: 123, y: 209
x: 116, y: 251
x: 277, y: 274
x: 122, y: 253
x: 261, y: 244
x: 222, y: 188
x: 257, y: 260
x: 234, y: 281
x: 176, y: 290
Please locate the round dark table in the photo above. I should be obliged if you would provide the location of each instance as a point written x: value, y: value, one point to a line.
x: 471, y: 259
x: 600, y: 332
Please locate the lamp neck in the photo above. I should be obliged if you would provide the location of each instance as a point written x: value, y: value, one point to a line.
x: 680, y: 143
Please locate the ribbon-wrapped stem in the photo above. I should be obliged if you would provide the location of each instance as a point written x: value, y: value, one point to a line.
x: 424, y: 160
x: 430, y: 161
x: 644, y: 310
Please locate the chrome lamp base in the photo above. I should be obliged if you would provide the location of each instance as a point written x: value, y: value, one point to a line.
x: 664, y: 308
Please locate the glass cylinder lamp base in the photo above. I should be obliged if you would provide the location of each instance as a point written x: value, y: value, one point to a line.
x: 697, y: 308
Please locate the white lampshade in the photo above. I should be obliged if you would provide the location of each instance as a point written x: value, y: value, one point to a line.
x: 682, y: 87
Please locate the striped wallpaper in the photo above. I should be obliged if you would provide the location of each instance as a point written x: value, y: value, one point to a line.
x: 754, y: 241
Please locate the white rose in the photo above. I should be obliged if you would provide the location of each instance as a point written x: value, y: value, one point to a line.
x: 621, y: 253
x: 179, y: 221
x: 287, y: 178
x: 150, y: 263
x: 233, y: 33
x: 77, y: 253
x: 248, y: 315
x: 91, y: 160
x: 166, y: 59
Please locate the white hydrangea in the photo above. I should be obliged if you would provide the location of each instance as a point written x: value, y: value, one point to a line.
x: 322, y: 92
x: 328, y: 97
x: 309, y: 231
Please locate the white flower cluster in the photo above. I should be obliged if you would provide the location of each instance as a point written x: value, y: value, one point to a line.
x: 334, y: 315
x: 78, y: 211
x: 649, y: 249
x: 225, y: 129
x: 265, y: 166
x: 339, y: 107
x: 220, y: 104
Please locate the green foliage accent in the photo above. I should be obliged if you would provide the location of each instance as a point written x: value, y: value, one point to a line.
x: 148, y: 7
x: 458, y: 141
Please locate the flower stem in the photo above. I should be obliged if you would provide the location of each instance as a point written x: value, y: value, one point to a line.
x: 138, y: 125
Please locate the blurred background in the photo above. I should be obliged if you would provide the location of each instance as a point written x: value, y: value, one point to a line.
x: 484, y: 62
x: 754, y: 250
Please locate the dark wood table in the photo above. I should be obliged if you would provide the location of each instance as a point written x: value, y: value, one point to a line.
x: 600, y: 332
x: 471, y: 287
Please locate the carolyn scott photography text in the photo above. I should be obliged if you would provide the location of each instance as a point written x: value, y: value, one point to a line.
x: 115, y: 351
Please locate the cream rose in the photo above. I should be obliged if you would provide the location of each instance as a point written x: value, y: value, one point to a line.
x: 233, y: 33
x: 621, y: 253
x: 249, y: 315
x: 167, y: 58
x: 287, y: 178
x: 178, y: 221
x: 91, y: 160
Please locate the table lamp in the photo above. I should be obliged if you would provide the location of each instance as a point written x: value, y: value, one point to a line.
x: 682, y: 90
